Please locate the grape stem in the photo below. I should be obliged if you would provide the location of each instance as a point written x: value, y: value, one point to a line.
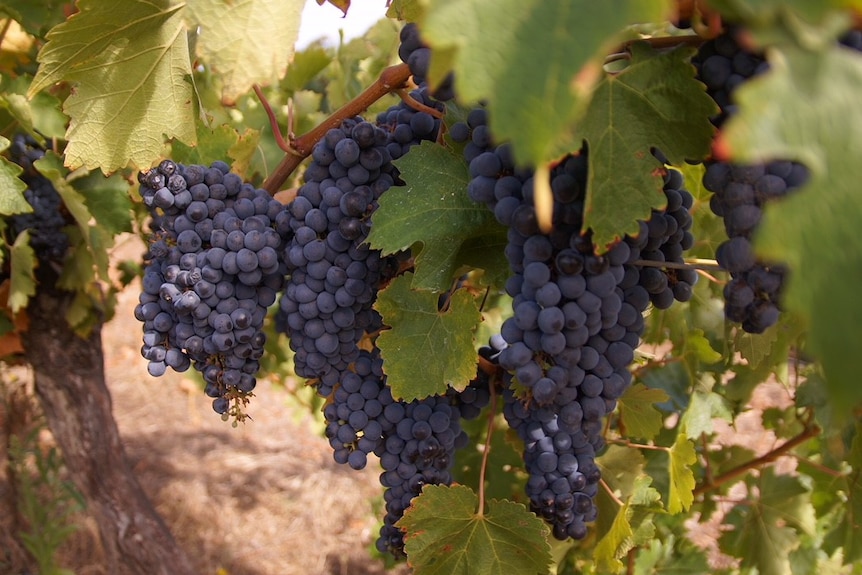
x: 633, y: 445
x: 416, y: 105
x: 492, y: 414
x: 819, y: 467
x: 806, y: 434
x: 390, y: 80
x: 689, y: 264
x: 273, y: 122
x: 610, y: 493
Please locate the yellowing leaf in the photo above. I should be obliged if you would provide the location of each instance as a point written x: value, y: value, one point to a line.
x: 637, y: 415
x: 245, y: 42
x: 704, y: 406
x: 682, y: 457
x: 446, y: 536
x: 615, y: 543
x: 23, y: 261
x: 12, y: 200
x: 96, y: 263
x: 426, y: 350
x: 129, y: 63
x: 697, y: 346
x: 632, y: 523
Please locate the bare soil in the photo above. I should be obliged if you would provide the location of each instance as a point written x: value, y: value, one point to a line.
x: 263, y: 498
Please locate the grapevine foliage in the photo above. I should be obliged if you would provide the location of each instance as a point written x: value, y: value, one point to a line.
x: 538, y: 290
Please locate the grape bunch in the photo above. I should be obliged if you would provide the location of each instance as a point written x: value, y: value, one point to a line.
x: 753, y: 295
x: 578, y: 316
x: 740, y: 192
x: 47, y: 220
x: 417, y: 55
x: 326, y: 310
x: 326, y: 307
x: 419, y: 449
x: 408, y: 127
x: 214, y: 269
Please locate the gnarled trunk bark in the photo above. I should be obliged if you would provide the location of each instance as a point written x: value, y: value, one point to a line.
x: 70, y: 383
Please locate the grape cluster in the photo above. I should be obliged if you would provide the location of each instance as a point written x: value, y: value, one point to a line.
x: 662, y: 238
x: 334, y: 275
x: 214, y: 269
x: 753, y: 295
x: 47, y: 220
x: 740, y: 192
x: 326, y: 310
x: 417, y: 55
x: 578, y: 316
x: 418, y: 449
x: 407, y: 126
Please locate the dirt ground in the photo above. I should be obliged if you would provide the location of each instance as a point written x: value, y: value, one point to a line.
x: 264, y: 498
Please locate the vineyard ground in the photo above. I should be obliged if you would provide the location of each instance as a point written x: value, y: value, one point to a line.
x: 265, y: 498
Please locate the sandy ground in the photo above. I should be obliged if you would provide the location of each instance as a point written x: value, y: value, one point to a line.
x: 264, y: 498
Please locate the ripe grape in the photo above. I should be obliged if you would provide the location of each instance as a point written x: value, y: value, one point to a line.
x: 213, y: 271
x: 47, y: 220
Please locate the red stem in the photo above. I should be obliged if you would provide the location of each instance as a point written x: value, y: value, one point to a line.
x: 731, y: 474
x: 390, y: 79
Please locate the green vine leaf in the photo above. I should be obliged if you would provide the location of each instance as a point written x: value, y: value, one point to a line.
x: 704, y: 406
x: 632, y: 525
x: 765, y: 530
x: 433, y: 209
x: 426, y: 350
x: 782, y: 115
x: 129, y: 62
x: 682, y: 457
x: 760, y: 12
x: 663, y: 557
x: 698, y: 348
x: 615, y: 543
x: 107, y: 200
x: 39, y: 115
x: 518, y: 55
x: 848, y: 532
x: 218, y: 143
x: 621, y: 466
x: 84, y: 267
x: 35, y: 17
x: 245, y: 42
x: 654, y: 102
x: 23, y: 278
x: 446, y: 536
x: 12, y: 200
x: 638, y: 416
